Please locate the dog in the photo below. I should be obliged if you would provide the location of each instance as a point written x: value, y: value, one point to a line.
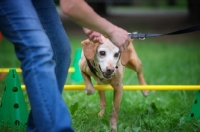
x: 106, y: 65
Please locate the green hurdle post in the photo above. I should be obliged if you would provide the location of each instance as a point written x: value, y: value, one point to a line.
x: 76, y: 76
x: 195, y: 110
x: 13, y: 109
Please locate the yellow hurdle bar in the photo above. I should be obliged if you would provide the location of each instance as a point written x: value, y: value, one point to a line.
x: 6, y: 70
x: 134, y: 87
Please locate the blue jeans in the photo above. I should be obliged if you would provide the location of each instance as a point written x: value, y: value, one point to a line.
x: 42, y: 46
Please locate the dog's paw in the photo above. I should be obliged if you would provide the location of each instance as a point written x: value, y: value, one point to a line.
x: 89, y: 91
x: 145, y: 92
x: 113, y: 128
x: 101, y: 112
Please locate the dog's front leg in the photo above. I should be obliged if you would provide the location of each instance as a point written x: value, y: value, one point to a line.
x: 117, y: 99
x: 89, y: 89
x: 102, y: 102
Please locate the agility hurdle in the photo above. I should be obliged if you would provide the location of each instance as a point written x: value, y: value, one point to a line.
x: 194, y: 112
x: 133, y: 87
x: 6, y: 70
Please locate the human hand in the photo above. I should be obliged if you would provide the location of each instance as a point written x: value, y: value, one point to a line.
x: 93, y: 35
x: 120, y: 38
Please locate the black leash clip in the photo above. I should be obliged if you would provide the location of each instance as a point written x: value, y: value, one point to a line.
x: 141, y: 36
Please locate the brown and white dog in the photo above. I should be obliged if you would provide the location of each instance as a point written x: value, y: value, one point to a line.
x: 106, y: 64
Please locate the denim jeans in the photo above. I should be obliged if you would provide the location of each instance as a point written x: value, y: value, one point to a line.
x: 42, y: 46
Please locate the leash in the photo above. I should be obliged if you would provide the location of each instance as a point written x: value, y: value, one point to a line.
x: 142, y: 36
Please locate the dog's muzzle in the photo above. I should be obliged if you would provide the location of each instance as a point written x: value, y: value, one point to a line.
x: 109, y: 72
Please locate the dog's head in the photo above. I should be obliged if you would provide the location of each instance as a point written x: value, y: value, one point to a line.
x: 105, y: 55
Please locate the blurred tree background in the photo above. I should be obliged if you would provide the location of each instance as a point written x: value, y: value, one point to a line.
x: 192, y: 6
x: 157, y: 16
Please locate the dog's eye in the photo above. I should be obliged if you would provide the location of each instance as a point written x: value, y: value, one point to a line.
x: 116, y: 54
x: 102, y: 53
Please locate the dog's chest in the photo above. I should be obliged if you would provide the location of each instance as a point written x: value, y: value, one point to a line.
x: 101, y: 80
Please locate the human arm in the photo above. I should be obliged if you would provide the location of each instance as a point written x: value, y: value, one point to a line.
x: 81, y: 13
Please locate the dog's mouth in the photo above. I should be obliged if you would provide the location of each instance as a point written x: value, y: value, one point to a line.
x: 107, y: 75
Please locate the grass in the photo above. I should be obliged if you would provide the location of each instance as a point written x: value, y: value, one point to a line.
x: 164, y: 62
x: 158, y: 112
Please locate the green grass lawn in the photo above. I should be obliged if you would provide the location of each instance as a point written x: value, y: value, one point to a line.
x: 164, y: 63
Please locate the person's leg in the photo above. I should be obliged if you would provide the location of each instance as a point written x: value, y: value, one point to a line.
x: 20, y: 24
x: 52, y: 24
x: 62, y: 51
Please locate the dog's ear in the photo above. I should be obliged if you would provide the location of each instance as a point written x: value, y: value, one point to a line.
x: 125, y: 56
x: 89, y: 48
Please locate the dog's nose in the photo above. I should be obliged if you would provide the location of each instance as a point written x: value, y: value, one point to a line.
x: 110, y: 69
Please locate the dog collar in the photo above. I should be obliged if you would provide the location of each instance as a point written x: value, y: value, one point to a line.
x: 94, y: 70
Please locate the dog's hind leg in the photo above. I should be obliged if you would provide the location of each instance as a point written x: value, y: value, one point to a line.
x: 89, y: 89
x: 136, y: 65
x: 142, y: 82
x: 102, y: 102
